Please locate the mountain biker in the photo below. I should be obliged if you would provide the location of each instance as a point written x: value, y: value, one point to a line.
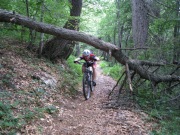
x: 88, y: 56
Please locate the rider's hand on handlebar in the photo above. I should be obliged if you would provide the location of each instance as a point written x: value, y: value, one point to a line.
x: 90, y: 62
x: 77, y: 62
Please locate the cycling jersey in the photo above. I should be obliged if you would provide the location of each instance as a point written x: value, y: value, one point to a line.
x: 92, y: 57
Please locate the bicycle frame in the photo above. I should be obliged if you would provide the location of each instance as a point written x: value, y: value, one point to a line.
x: 87, y: 80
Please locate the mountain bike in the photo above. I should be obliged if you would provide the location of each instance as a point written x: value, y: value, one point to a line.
x: 87, y: 80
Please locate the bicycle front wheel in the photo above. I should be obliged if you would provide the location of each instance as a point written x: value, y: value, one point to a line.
x: 86, y: 87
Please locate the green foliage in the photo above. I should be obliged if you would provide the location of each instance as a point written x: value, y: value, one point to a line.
x: 72, y: 76
x: 158, y: 107
x: 5, y: 4
x: 55, y: 12
x: 113, y: 71
x: 29, y: 115
x: 7, y: 120
x: 108, y: 29
x: 6, y: 80
x: 169, y: 121
x: 51, y: 109
x: 75, y: 68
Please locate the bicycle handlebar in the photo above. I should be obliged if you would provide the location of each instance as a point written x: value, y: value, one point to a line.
x: 89, y: 62
x: 77, y: 62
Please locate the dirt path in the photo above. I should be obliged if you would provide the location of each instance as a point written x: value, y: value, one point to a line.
x: 80, y: 117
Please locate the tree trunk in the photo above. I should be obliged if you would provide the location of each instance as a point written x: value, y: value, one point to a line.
x: 136, y: 65
x: 118, y: 23
x: 176, y: 56
x: 77, y: 51
x: 62, y: 48
x: 30, y: 30
x: 41, y: 44
x: 139, y: 23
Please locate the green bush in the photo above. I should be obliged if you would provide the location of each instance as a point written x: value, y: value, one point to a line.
x: 7, y: 120
x: 75, y: 68
x: 72, y: 76
x: 113, y: 71
x: 157, y: 108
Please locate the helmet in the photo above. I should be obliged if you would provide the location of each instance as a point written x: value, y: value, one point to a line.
x: 86, y: 52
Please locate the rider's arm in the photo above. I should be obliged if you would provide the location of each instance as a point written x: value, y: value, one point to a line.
x: 96, y: 58
x: 77, y: 59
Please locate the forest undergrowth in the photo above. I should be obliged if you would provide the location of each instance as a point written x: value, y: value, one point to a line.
x: 164, y: 109
x: 29, y: 86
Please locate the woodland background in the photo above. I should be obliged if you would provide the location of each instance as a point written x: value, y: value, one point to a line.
x: 138, y: 40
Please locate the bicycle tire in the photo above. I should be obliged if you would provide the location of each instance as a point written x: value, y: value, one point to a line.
x: 91, y: 82
x: 86, y: 87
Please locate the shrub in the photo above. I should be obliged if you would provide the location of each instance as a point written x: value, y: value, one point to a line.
x: 113, y: 71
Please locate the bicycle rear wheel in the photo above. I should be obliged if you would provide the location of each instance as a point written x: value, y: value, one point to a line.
x: 86, y: 87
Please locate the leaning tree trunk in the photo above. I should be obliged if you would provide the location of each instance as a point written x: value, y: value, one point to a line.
x: 59, y: 47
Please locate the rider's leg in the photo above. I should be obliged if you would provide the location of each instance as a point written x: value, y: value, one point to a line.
x: 94, y: 74
x: 83, y: 68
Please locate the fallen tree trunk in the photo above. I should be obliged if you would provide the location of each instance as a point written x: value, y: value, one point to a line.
x: 116, y: 52
x: 6, y: 16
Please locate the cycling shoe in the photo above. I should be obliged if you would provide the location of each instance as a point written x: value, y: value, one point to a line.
x: 94, y: 83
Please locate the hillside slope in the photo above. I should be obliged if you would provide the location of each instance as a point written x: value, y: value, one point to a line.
x: 36, y: 97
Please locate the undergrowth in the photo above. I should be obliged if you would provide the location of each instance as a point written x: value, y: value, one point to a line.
x: 159, y: 105
x: 161, y: 109
x: 22, y: 106
x: 114, y: 71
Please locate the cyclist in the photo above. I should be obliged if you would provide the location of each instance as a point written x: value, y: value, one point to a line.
x: 88, y: 56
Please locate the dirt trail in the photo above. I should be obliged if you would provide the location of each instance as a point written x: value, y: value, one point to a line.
x: 80, y: 117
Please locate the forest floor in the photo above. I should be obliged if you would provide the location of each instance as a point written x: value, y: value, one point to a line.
x: 74, y: 115
x: 96, y: 116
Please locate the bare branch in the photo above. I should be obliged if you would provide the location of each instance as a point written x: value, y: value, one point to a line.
x: 175, y: 70
x: 171, y: 87
x: 148, y: 63
x: 124, y: 81
x: 116, y: 84
x: 140, y: 83
x: 129, y: 77
x: 173, y: 98
x: 156, y: 69
x: 138, y: 48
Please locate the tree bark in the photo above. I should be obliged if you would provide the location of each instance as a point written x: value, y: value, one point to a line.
x: 41, y: 44
x: 139, y: 22
x: 73, y: 35
x: 176, y: 56
x: 77, y: 52
x: 30, y: 30
x: 120, y: 28
x: 52, y: 50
